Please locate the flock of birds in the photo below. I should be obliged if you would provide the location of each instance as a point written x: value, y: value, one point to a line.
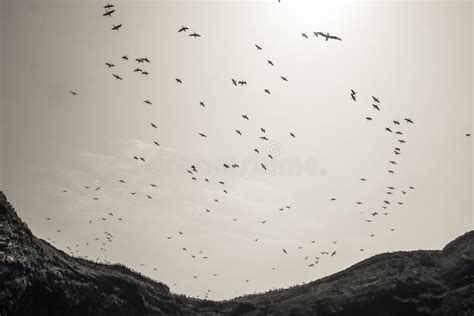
x: 394, y: 196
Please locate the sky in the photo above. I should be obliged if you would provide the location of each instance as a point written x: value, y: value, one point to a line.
x: 415, y: 57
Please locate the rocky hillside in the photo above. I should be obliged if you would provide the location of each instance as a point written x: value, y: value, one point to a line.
x: 38, y: 279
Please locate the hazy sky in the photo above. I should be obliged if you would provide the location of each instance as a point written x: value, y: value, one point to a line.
x: 416, y: 57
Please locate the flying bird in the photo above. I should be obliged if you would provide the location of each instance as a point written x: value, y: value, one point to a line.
x: 178, y: 80
x: 327, y: 36
x: 108, y: 13
x: 116, y: 27
x: 408, y: 120
x: 304, y: 35
x: 283, y: 78
x: 195, y: 35
x: 375, y: 99
x: 270, y: 62
x: 183, y: 29
x: 117, y: 77
x: 258, y: 47
x: 110, y: 65
x: 267, y: 91
x: 245, y: 117
x: 73, y: 92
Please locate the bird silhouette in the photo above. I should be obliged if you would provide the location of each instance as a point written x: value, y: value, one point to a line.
x: 117, y: 77
x: 108, y: 13
x: 178, y: 80
x: 284, y: 251
x: 124, y: 57
x: 245, y: 117
x: 238, y: 132
x: 283, y: 78
x: 195, y: 35
x: 304, y: 35
x: 183, y: 29
x: 292, y: 135
x: 73, y: 92
x: 327, y: 36
x: 375, y: 106
x: 258, y: 47
x: 270, y: 63
x: 153, y: 125
x: 408, y: 120
x: 202, y: 135
x: 110, y: 65
x: 375, y: 99
x: 263, y: 166
x: 147, y: 102
x: 116, y: 27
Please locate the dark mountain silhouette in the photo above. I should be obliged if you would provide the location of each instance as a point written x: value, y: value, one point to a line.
x: 38, y: 279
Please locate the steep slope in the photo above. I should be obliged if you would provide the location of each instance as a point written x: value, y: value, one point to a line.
x: 38, y: 279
